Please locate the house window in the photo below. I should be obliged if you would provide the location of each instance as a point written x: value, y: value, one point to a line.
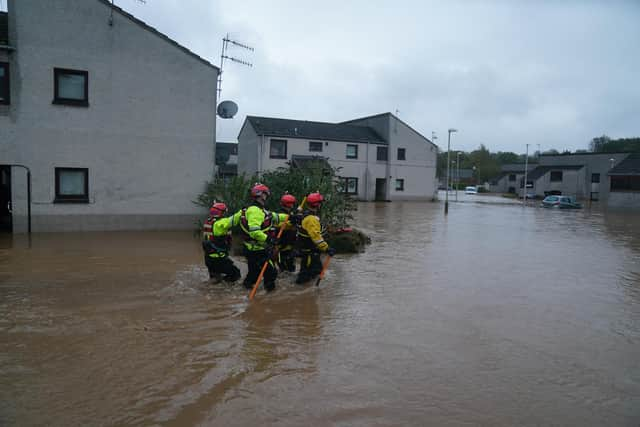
x: 399, y: 184
x: 278, y: 149
x: 4, y: 83
x: 315, y: 146
x: 381, y: 154
x: 401, y: 154
x: 556, y: 176
x: 625, y: 183
x: 595, y: 178
x: 72, y: 185
x: 70, y: 87
x: 512, y: 177
x: 350, y: 185
x: 352, y: 151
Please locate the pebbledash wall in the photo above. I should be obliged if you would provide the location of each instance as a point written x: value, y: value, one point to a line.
x: 147, y: 136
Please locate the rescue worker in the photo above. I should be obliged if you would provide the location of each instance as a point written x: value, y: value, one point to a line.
x: 216, y: 242
x: 287, y: 260
x: 310, y: 240
x: 260, y: 229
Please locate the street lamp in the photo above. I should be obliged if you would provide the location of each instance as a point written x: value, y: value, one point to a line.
x: 446, y: 200
x: 457, y: 173
x: 611, y: 160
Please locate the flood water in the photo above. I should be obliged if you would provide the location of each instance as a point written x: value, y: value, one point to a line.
x: 495, y: 315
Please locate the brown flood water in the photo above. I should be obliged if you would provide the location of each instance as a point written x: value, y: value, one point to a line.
x: 496, y: 315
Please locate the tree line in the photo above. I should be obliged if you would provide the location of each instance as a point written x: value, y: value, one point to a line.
x: 489, y: 164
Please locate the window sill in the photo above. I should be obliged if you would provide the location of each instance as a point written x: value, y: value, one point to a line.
x: 70, y: 102
x: 59, y: 200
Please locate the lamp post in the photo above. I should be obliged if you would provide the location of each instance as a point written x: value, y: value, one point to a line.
x: 611, y: 160
x: 457, y: 173
x: 446, y: 200
x: 524, y: 187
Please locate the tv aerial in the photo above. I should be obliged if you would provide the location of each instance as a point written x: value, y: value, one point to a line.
x: 228, y: 109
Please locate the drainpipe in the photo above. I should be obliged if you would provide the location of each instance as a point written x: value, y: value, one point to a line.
x: 366, y: 174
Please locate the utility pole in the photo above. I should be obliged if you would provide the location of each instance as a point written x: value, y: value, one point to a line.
x: 446, y: 199
x: 524, y: 188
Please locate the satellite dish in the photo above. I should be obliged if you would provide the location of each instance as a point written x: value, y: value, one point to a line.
x: 227, y: 109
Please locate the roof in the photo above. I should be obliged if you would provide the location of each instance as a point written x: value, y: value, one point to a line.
x: 542, y: 170
x: 515, y: 167
x: 158, y: 33
x: 314, y: 130
x: 309, y: 162
x: 4, y: 28
x: 629, y: 166
x: 395, y: 117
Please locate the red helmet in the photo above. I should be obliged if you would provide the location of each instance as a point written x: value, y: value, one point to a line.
x: 258, y: 189
x: 217, y: 209
x: 314, y: 200
x: 287, y: 200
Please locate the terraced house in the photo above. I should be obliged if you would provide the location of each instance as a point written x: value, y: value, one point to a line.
x: 379, y: 157
x: 92, y: 104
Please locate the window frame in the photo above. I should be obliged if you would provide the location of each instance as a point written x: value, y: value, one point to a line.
x: 404, y: 153
x: 401, y: 182
x: 382, y: 149
x: 316, y: 144
x: 347, y: 151
x: 345, y: 184
x: 512, y: 177
x: 58, y: 100
x: 595, y: 178
x: 271, y: 155
x: 71, y: 198
x: 5, y: 85
x: 555, y: 179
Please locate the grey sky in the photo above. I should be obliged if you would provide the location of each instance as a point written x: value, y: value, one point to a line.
x: 504, y: 73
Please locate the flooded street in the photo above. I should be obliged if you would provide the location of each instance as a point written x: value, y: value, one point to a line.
x: 494, y: 315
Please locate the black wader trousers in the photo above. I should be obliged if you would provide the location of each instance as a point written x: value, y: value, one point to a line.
x: 255, y: 261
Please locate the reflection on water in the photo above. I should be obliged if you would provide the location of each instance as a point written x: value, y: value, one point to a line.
x: 495, y: 315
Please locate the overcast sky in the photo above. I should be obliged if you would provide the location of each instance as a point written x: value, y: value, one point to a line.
x: 504, y: 73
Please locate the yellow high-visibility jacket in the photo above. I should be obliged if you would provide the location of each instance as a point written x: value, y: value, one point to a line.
x: 256, y: 222
x: 311, y: 231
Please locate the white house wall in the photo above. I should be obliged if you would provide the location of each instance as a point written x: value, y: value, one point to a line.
x: 147, y: 136
x: 248, y: 146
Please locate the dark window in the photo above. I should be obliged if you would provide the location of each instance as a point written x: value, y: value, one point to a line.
x: 352, y: 151
x: 278, y: 149
x: 350, y: 185
x: 234, y: 149
x: 595, y: 178
x: 512, y: 177
x: 625, y: 183
x: 381, y: 154
x: 556, y: 176
x: 4, y: 84
x: 72, y: 185
x: 70, y: 87
x: 399, y: 184
x: 315, y: 146
x: 401, y: 154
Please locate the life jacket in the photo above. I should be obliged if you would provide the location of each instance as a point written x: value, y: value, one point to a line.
x: 304, y: 241
x: 266, y: 227
x: 290, y: 233
x: 214, y: 246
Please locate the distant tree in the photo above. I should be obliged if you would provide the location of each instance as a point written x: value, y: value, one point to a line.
x: 597, y: 144
x: 506, y: 157
x: 552, y: 151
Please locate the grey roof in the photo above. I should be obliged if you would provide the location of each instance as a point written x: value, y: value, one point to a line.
x: 395, y: 117
x: 514, y: 167
x: 156, y: 32
x: 629, y: 166
x: 303, y: 162
x: 4, y: 28
x: 542, y: 170
x: 314, y: 130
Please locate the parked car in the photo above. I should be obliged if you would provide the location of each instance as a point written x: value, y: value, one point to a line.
x: 471, y: 190
x: 561, y: 202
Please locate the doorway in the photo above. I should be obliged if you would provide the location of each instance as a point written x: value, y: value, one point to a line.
x: 381, y: 189
x: 6, y: 219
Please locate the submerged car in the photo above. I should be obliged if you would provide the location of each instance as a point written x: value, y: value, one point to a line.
x: 471, y: 190
x: 561, y: 202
